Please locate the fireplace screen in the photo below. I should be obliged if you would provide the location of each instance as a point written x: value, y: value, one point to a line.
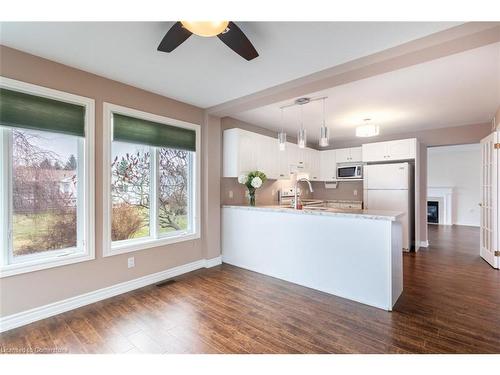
x: 433, y: 212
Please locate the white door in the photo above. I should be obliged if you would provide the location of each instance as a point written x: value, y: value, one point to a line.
x: 386, y: 176
x: 489, y: 200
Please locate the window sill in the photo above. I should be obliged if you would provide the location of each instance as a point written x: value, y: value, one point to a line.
x: 42, y: 264
x: 147, y: 244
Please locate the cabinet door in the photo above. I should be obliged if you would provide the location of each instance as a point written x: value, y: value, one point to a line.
x: 356, y: 154
x: 283, y: 164
x: 402, y: 149
x: 247, y: 152
x: 292, y: 153
x: 267, y: 156
x: 343, y: 155
x: 374, y: 151
x: 313, y: 167
x: 328, y: 165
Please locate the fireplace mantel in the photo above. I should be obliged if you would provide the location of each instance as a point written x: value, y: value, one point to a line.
x: 444, y: 195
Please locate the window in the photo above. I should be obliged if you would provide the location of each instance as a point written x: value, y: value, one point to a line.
x: 46, y: 178
x: 151, y: 177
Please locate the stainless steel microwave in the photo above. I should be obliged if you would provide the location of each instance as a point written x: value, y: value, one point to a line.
x: 349, y: 171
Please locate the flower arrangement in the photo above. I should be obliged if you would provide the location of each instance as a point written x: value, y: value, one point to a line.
x: 252, y: 181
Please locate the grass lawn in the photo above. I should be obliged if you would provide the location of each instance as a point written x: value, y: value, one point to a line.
x: 144, y: 231
x: 27, y: 227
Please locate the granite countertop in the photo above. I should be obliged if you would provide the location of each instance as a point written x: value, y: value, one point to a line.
x: 351, y: 213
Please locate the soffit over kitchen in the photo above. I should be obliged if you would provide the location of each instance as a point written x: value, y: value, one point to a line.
x: 455, y: 90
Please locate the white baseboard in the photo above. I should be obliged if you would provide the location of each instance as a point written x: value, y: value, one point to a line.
x: 213, y: 262
x: 42, y: 312
x: 424, y: 243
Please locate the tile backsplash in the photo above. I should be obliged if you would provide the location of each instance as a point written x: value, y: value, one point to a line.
x: 233, y: 192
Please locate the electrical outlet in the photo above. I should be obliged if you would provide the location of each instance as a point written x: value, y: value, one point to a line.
x: 230, y: 194
x: 131, y: 262
x: 355, y: 192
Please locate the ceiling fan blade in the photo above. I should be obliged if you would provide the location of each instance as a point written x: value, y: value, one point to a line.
x: 238, y: 42
x: 174, y: 38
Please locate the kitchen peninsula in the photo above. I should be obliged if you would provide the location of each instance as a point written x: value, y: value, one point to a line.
x: 354, y: 254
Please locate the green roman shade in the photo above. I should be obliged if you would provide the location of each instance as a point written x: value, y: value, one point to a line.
x: 21, y: 110
x: 134, y: 130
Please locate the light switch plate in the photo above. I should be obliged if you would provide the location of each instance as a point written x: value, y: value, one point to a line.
x: 230, y: 194
x: 131, y: 262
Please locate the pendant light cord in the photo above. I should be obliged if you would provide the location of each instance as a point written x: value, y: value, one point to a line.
x: 324, y: 112
x: 282, y: 121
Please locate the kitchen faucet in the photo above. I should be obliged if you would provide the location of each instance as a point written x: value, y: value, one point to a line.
x: 295, y: 200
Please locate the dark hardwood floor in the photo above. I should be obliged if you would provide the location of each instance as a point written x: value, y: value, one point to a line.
x: 450, y: 304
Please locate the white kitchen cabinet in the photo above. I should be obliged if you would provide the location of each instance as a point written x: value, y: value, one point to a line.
x: 348, y: 155
x: 312, y: 164
x: 239, y: 153
x: 283, y: 165
x: 245, y: 151
x: 328, y: 165
x: 267, y: 155
x: 356, y: 154
x: 402, y: 149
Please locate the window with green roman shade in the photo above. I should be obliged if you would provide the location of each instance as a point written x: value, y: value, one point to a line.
x: 21, y: 110
x: 134, y: 130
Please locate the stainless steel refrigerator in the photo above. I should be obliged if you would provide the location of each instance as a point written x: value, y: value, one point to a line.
x: 391, y: 187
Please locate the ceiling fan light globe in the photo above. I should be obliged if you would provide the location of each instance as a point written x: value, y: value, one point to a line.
x: 205, y: 28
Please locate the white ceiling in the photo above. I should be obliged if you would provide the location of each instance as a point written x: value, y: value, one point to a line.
x: 203, y: 71
x: 455, y: 90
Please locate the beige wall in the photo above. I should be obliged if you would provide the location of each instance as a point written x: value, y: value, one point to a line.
x: 34, y: 289
x: 422, y: 165
x: 497, y: 119
x: 455, y: 135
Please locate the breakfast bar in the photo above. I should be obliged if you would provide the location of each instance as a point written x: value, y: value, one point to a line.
x: 353, y: 254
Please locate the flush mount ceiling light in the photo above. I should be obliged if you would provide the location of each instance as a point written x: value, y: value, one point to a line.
x: 324, y: 137
x: 367, y: 130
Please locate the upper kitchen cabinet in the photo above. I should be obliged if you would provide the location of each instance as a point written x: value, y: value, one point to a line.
x: 312, y: 164
x: 239, y: 154
x: 348, y: 155
x: 328, y: 165
x: 246, y: 151
x: 402, y: 149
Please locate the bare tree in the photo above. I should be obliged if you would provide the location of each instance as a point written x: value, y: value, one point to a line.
x: 131, y: 184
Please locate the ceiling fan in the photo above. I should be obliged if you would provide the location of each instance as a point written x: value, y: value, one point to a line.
x: 227, y: 31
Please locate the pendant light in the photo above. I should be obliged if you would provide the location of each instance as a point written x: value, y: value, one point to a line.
x: 302, y: 135
x: 324, y: 138
x: 282, y: 135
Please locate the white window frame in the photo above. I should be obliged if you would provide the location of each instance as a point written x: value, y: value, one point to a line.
x: 194, y: 232
x: 86, y: 176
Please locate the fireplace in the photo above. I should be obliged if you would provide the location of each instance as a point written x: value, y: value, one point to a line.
x: 433, y: 212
